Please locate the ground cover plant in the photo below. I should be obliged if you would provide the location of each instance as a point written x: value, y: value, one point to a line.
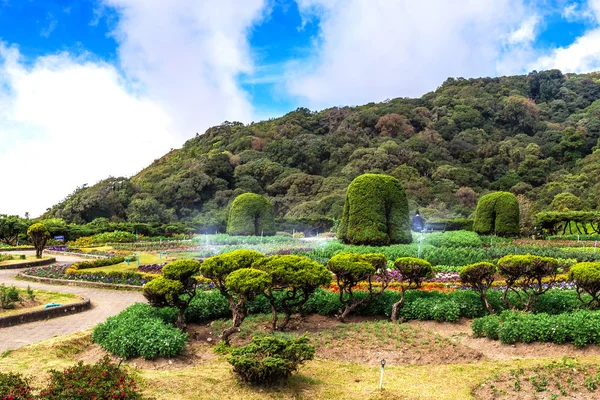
x: 141, y: 330
x: 16, y: 300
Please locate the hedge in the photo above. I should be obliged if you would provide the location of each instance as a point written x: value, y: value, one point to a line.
x: 497, y: 213
x: 375, y: 212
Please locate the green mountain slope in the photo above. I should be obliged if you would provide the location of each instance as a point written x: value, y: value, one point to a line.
x: 534, y: 135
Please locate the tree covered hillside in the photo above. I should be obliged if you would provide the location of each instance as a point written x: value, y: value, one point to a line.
x: 533, y: 135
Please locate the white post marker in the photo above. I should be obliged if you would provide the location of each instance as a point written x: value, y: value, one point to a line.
x: 381, y: 376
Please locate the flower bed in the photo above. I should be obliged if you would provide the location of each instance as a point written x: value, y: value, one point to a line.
x: 120, y: 278
x: 152, y: 268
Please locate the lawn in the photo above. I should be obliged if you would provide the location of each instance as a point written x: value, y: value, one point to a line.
x: 17, y: 260
x: 42, y: 297
x: 145, y: 258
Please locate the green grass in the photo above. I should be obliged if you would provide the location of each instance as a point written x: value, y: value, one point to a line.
x: 42, y: 297
x: 16, y: 260
x: 145, y: 258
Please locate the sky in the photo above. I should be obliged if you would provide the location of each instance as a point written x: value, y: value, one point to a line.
x: 98, y: 88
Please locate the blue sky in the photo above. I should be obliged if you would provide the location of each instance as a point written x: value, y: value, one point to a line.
x: 146, y: 75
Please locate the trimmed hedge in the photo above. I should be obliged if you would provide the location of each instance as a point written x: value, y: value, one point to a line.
x: 580, y: 327
x: 101, y: 262
x: 375, y: 212
x: 497, y: 213
x: 251, y: 214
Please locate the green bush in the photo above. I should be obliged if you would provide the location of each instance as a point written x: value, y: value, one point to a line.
x: 581, y: 328
x: 9, y: 295
x: 251, y: 214
x: 114, y: 237
x: 269, y: 359
x: 102, y: 380
x: 101, y: 262
x: 375, y: 212
x: 497, y: 213
x: 15, y: 386
x: 452, y: 239
x: 141, y: 330
x: 479, y: 277
x: 587, y: 278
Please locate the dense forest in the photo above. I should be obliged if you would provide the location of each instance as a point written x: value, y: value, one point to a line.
x: 534, y: 135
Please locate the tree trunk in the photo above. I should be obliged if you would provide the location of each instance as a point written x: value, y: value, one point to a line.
x: 180, y: 323
x: 238, y: 317
x: 486, y: 303
x: 398, y: 305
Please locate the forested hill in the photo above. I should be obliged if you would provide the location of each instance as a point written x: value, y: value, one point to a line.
x: 534, y: 135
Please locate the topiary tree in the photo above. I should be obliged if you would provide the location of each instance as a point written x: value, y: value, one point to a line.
x: 268, y: 359
x: 176, y: 287
x: 251, y: 214
x: 244, y: 284
x: 528, y: 277
x: 479, y: 277
x: 352, y: 268
x: 39, y: 236
x: 497, y: 213
x: 586, y: 276
x: 413, y: 272
x: 218, y: 268
x: 297, y: 277
x: 375, y: 212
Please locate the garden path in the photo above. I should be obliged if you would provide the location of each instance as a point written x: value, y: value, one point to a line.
x: 105, y: 303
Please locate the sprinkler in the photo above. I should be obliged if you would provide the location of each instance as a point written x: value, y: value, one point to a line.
x: 381, y: 376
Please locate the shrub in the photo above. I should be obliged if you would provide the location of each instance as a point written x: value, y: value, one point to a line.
x: 580, y: 327
x: 251, y: 214
x: 102, y: 380
x: 141, y: 330
x: 9, y: 295
x: 349, y: 270
x: 479, y: 277
x: 526, y: 273
x: 497, y: 213
x: 375, y: 212
x: 39, y: 236
x: 297, y: 277
x: 101, y: 262
x: 269, y: 359
x: 15, y: 386
x: 114, y: 237
x: 587, y: 278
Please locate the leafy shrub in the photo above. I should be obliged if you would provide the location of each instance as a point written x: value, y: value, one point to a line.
x: 9, y: 295
x: 100, y: 262
x: 269, y: 359
x: 375, y: 212
x: 251, y: 214
x: 580, y: 327
x: 114, y: 237
x: 453, y: 239
x: 141, y: 330
x: 15, y: 386
x: 587, y: 278
x: 102, y: 380
x: 497, y: 213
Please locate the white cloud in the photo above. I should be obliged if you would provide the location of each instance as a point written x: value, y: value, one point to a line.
x: 52, y: 22
x: 570, y: 12
x: 526, y: 32
x: 66, y: 121
x: 583, y: 55
x: 188, y: 55
x: 370, y: 50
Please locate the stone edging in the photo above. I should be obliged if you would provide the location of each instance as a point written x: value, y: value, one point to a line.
x: 69, y: 282
x: 39, y: 315
x: 36, y: 263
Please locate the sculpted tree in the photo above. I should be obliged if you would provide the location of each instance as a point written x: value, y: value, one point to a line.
x: 586, y: 276
x: 297, y: 278
x: 218, y: 269
x: 175, y: 288
x: 39, y: 236
x: 251, y: 214
x: 413, y: 272
x: 375, y: 212
x: 497, y: 213
x: 479, y: 277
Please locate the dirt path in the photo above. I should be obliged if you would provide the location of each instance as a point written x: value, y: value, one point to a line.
x: 105, y: 303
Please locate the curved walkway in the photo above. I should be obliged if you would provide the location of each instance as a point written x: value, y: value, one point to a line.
x: 105, y: 303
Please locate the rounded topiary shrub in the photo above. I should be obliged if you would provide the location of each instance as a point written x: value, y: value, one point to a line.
x: 375, y: 212
x: 251, y: 215
x: 497, y: 213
